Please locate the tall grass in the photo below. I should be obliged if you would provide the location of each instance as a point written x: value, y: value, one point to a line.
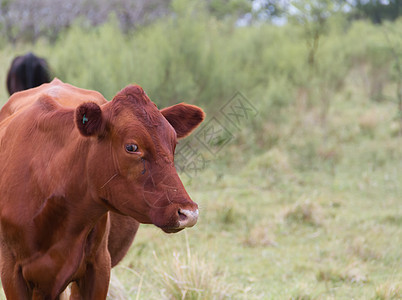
x: 190, y: 277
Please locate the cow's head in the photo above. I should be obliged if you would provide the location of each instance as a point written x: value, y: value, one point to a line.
x: 130, y: 164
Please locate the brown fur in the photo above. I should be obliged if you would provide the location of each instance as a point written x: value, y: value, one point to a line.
x: 88, y: 118
x: 174, y: 115
x: 72, y: 196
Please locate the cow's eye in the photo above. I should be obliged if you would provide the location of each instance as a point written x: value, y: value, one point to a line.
x: 131, y: 148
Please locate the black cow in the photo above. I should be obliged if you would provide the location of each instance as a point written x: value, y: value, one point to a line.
x: 26, y: 72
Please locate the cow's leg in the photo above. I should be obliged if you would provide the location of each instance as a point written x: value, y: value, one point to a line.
x: 39, y: 295
x: 95, y: 283
x: 14, y: 285
x: 75, y: 292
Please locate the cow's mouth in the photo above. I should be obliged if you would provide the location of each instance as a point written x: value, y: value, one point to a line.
x: 167, y: 229
x: 171, y: 230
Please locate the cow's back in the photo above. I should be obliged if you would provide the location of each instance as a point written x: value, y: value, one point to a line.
x: 64, y: 94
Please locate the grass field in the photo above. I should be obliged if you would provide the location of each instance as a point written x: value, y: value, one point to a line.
x: 318, y: 216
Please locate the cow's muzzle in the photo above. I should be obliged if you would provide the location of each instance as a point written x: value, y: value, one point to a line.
x: 187, y: 218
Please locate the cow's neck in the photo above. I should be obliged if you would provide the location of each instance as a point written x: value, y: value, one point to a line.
x: 73, y: 204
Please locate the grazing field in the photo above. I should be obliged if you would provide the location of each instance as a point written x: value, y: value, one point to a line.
x: 302, y: 198
x: 302, y: 220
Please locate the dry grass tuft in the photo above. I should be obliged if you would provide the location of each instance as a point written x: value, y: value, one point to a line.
x: 329, y: 274
x: 388, y: 291
x: 190, y: 277
x: 260, y: 235
x: 352, y: 274
x: 305, y: 212
x: 361, y: 248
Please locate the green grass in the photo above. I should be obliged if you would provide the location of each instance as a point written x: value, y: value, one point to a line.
x: 317, y: 217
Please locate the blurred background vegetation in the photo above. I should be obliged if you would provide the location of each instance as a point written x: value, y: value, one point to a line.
x: 304, y: 202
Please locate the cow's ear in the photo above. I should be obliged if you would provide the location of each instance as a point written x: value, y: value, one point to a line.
x: 89, y: 119
x: 184, y: 118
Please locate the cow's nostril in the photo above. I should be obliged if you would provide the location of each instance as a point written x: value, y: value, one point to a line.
x: 187, y: 218
x: 182, y: 216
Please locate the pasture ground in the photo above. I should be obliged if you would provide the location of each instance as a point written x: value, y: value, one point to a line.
x: 318, y: 216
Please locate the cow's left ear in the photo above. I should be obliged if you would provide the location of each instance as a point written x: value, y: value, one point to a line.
x: 89, y: 119
x: 184, y: 118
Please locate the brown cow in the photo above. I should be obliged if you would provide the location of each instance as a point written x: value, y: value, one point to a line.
x: 27, y: 71
x: 78, y: 171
